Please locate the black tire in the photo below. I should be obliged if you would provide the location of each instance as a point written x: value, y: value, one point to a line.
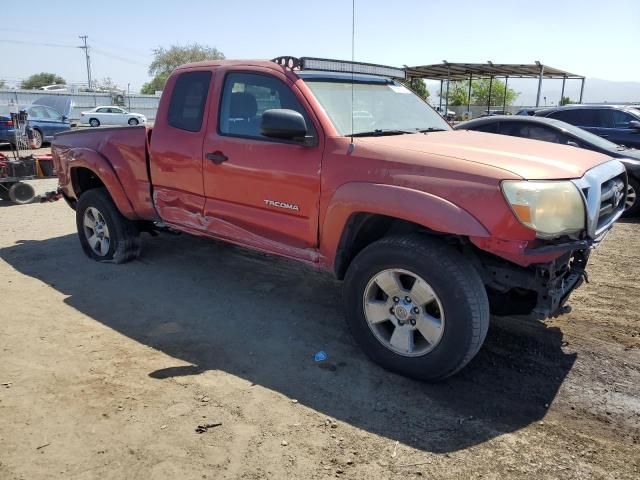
x: 38, y: 139
x: 133, y: 122
x: 21, y: 193
x: 94, y: 122
x: 124, y: 236
x: 634, y: 186
x: 460, y: 291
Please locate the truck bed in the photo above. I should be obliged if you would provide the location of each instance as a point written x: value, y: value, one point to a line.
x: 124, y: 150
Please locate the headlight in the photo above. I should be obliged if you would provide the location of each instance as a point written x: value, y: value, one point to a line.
x: 551, y: 208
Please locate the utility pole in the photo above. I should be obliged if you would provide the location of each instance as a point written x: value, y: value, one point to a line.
x: 85, y: 47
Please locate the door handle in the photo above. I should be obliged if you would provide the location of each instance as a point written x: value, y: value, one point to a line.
x: 217, y: 157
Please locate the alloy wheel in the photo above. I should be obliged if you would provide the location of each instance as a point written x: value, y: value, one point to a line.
x: 403, y: 312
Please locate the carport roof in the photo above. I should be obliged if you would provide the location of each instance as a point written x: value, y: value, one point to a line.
x: 462, y: 71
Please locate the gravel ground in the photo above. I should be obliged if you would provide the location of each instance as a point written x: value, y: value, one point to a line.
x: 106, y: 371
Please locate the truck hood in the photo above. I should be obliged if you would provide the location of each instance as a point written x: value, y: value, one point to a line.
x: 529, y: 159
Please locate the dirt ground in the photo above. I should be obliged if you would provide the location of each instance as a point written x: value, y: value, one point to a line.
x: 107, y: 370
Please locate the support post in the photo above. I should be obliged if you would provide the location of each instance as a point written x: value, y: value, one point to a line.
x: 489, y: 99
x: 469, y: 94
x: 582, y: 89
x: 441, y: 83
x: 564, y: 79
x: 446, y: 108
x: 539, y: 85
x: 504, y: 99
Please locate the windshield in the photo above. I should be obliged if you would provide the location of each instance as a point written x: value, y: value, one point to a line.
x: 379, y: 106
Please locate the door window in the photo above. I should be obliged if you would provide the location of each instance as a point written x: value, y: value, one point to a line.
x: 579, y: 117
x: 38, y: 112
x: 533, y: 131
x: 488, y: 127
x: 188, y: 100
x: 102, y: 110
x: 246, y: 96
x: 621, y: 119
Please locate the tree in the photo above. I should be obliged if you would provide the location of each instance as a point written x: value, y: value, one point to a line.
x: 166, y: 60
x: 480, y: 92
x: 418, y: 86
x: 42, y: 79
x: 106, y: 85
x: 459, y: 92
x: 565, y: 101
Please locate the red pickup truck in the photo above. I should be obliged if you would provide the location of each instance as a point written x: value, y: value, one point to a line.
x: 341, y: 167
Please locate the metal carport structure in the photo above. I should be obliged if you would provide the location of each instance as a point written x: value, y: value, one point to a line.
x: 468, y: 71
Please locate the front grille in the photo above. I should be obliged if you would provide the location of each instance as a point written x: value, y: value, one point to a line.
x: 612, y: 196
x: 604, y: 188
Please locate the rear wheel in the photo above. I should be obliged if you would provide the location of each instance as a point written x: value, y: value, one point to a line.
x: 133, y: 121
x: 94, y: 122
x: 105, y: 234
x: 37, y: 138
x: 632, y: 205
x: 4, y: 191
x: 416, y: 306
x: 21, y: 193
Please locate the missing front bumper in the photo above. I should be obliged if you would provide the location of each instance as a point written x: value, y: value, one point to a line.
x: 540, y: 291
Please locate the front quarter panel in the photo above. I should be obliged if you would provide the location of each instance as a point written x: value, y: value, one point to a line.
x: 422, y: 208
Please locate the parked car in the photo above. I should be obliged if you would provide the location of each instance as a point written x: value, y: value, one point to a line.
x: 55, y: 88
x: 447, y: 114
x: 429, y: 228
x: 528, y: 111
x: 552, y: 130
x: 617, y: 124
x: 48, y: 116
x: 491, y: 113
x: 111, y: 115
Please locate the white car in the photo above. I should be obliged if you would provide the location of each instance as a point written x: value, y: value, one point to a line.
x: 110, y: 115
x: 55, y: 88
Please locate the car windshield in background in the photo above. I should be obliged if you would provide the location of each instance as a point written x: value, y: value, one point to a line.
x: 380, y: 106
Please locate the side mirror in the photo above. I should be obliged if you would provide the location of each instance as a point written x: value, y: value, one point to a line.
x: 64, y: 118
x: 284, y: 124
x: 635, y: 124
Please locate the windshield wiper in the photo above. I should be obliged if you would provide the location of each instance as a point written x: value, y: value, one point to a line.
x: 432, y: 129
x: 379, y: 132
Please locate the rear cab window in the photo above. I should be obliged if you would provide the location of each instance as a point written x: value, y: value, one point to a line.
x: 188, y: 100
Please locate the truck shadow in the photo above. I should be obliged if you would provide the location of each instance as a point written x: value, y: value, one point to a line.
x: 219, y: 307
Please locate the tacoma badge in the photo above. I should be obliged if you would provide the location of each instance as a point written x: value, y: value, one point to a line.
x: 288, y: 206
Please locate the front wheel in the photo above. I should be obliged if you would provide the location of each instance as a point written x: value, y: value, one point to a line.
x: 105, y: 234
x: 133, y: 122
x: 94, y: 122
x: 416, y: 306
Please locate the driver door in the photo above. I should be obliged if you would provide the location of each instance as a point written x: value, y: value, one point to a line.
x: 259, y: 191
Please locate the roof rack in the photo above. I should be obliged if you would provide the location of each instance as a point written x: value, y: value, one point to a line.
x: 330, y: 65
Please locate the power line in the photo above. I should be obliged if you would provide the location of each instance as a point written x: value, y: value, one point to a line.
x: 39, y: 44
x: 118, y: 57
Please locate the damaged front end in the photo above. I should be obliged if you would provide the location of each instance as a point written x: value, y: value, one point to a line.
x: 540, y: 290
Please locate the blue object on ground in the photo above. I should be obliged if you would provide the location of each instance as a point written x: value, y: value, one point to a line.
x: 320, y: 356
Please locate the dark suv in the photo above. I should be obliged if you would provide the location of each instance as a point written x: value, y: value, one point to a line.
x: 618, y: 124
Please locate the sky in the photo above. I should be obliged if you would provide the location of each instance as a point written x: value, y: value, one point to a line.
x: 594, y: 38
